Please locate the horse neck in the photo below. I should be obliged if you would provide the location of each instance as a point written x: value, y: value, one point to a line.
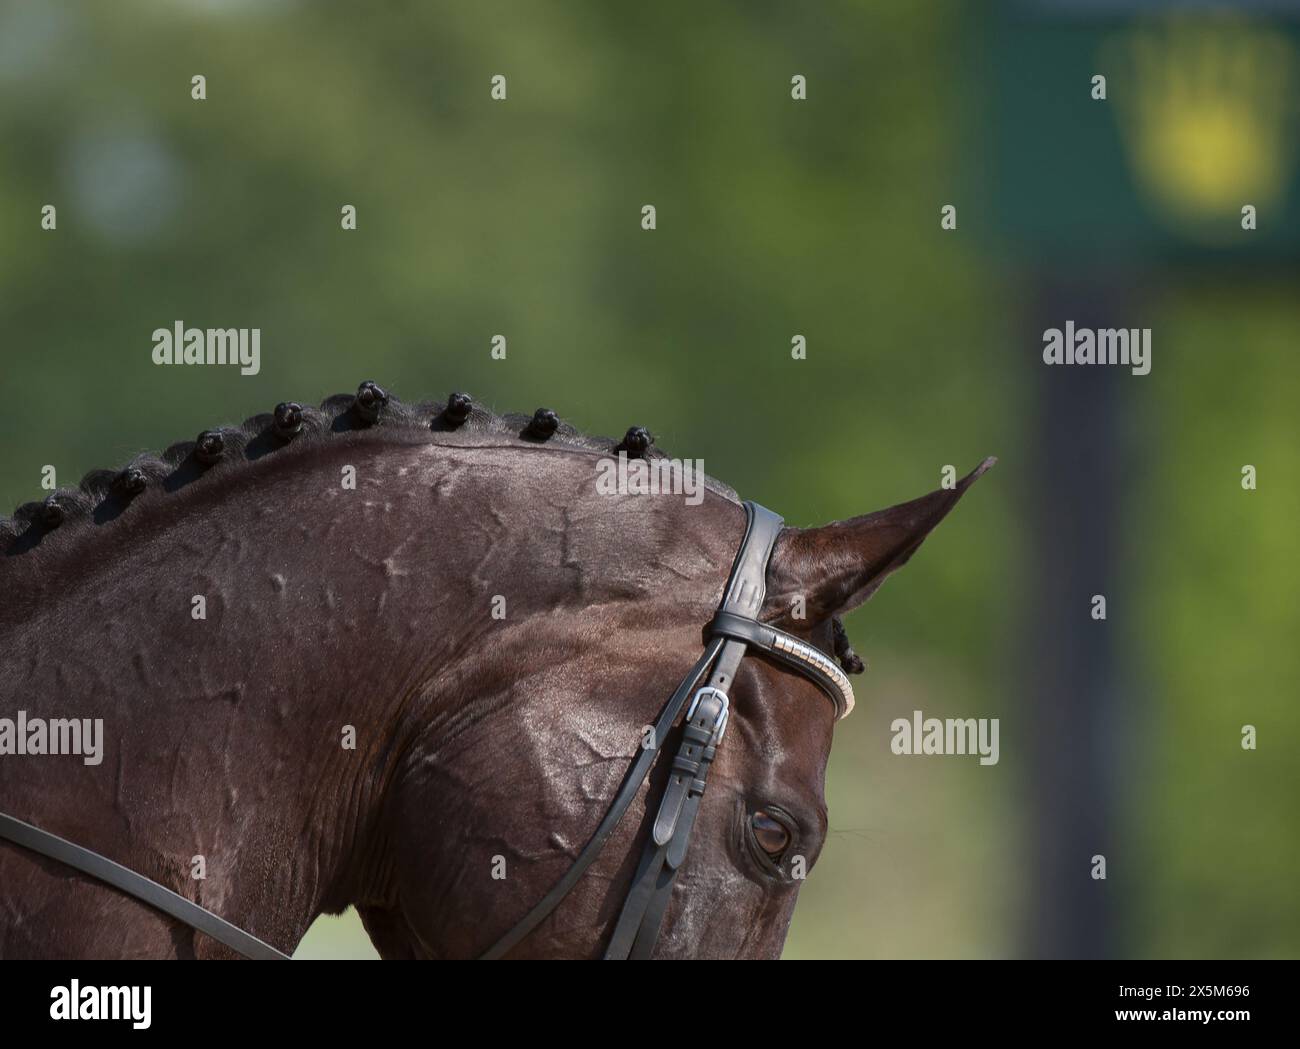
x: 337, y: 624
x: 255, y: 651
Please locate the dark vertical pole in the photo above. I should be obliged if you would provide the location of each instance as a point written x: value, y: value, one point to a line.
x: 1073, y: 512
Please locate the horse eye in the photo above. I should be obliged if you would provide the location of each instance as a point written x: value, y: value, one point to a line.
x: 772, y: 836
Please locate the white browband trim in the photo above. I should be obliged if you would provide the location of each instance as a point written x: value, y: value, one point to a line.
x: 806, y: 653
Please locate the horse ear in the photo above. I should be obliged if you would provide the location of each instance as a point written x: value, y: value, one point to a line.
x: 835, y: 568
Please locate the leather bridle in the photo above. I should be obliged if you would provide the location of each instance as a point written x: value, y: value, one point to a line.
x: 733, y: 631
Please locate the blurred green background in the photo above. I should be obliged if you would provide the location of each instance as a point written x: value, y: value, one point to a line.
x: 776, y: 217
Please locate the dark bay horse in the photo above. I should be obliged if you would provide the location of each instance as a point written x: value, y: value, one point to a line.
x: 399, y: 657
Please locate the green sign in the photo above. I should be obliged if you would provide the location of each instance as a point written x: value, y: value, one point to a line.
x: 1147, y: 136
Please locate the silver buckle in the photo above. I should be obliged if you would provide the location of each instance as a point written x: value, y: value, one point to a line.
x: 721, y: 727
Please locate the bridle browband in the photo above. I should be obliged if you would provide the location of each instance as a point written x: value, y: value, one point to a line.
x: 733, y: 630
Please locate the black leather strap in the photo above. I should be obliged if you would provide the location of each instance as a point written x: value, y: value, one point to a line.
x: 647, y: 900
x: 747, y: 585
x: 101, y: 868
x: 631, y: 784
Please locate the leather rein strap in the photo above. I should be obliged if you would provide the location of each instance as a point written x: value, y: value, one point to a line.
x: 101, y: 868
x: 733, y: 631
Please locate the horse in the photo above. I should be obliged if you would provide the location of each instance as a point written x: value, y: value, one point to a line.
x: 399, y: 657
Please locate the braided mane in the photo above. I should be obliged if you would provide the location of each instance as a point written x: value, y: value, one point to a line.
x: 103, y: 494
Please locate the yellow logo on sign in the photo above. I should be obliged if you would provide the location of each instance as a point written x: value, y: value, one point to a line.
x: 1206, y: 112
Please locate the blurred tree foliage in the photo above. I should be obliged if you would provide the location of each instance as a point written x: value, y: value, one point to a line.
x: 1216, y: 826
